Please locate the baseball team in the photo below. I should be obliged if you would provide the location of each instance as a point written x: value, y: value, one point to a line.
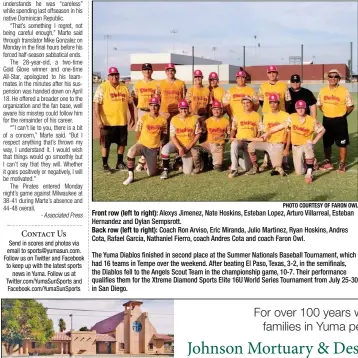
x: 192, y: 125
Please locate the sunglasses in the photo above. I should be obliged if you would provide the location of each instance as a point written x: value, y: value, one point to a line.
x: 333, y: 76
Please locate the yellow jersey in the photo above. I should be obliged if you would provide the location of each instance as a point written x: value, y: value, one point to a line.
x: 114, y: 101
x: 184, y: 129
x: 234, y: 96
x: 302, y: 131
x: 217, y: 94
x: 267, y: 89
x: 171, y: 93
x: 216, y: 129
x: 334, y: 101
x: 198, y: 98
x: 247, y: 125
x: 144, y: 92
x: 150, y: 129
x: 272, y: 120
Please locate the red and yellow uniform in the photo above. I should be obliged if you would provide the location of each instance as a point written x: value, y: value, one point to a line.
x: 198, y: 98
x: 334, y: 101
x: 267, y: 89
x: 271, y: 120
x: 247, y: 125
x: 150, y: 129
x: 216, y: 129
x: 114, y: 103
x: 234, y: 97
x: 184, y: 129
x: 303, y: 130
x: 144, y: 91
x: 170, y: 93
x: 217, y: 94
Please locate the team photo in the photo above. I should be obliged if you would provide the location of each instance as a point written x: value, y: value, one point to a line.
x: 197, y: 129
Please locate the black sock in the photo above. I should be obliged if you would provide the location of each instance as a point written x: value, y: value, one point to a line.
x: 166, y: 164
x: 105, y: 161
x: 120, y: 159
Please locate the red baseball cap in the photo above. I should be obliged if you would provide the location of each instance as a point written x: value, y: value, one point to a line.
x: 113, y: 71
x: 241, y: 74
x: 170, y: 66
x: 217, y: 104
x: 183, y: 104
x: 271, y: 68
x: 213, y: 76
x: 300, y: 104
x: 154, y: 100
x: 274, y: 98
x: 197, y: 73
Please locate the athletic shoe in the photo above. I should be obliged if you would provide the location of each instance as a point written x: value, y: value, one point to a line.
x: 264, y: 166
x: 164, y: 175
x: 139, y: 167
x: 129, y: 180
x: 286, y: 166
x: 326, y: 165
x: 341, y: 167
x: 121, y: 167
x: 278, y: 170
x: 233, y: 173
x: 308, y: 179
x: 254, y: 170
x: 107, y: 169
x: 196, y: 171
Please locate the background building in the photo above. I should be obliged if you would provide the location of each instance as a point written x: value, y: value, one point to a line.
x: 185, y: 66
x: 128, y: 332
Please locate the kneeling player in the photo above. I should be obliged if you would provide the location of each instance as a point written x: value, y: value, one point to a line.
x: 216, y: 127
x: 245, y: 129
x: 303, y: 129
x: 185, y: 131
x: 276, y: 141
x: 151, y: 127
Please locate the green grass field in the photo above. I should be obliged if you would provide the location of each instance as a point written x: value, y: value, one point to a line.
x: 214, y: 186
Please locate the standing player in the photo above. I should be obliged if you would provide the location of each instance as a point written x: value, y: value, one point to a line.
x: 170, y: 91
x: 273, y: 86
x: 233, y: 97
x: 144, y: 90
x: 245, y: 129
x: 198, y: 98
x: 149, y: 130
x: 297, y: 93
x: 336, y: 104
x: 276, y: 143
x: 217, y: 93
x: 217, y: 128
x: 303, y: 129
x: 185, y: 131
x: 111, y: 103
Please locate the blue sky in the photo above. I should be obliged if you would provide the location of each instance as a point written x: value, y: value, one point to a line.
x: 325, y: 29
x: 161, y: 312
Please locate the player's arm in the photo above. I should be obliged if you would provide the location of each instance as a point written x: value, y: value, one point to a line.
x: 131, y: 111
x: 184, y: 90
x: 138, y: 128
x: 349, y: 103
x: 286, y: 150
x: 277, y: 128
x: 198, y: 131
x: 255, y: 101
x: 164, y: 131
x: 319, y: 101
x: 134, y: 95
x: 261, y: 96
x: 288, y: 101
x: 97, y: 107
x: 158, y: 92
x: 233, y: 129
x: 319, y: 130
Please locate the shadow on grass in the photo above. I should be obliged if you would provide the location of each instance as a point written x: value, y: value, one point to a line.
x: 259, y: 197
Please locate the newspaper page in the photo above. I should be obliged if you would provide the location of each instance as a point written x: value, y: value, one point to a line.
x: 147, y: 204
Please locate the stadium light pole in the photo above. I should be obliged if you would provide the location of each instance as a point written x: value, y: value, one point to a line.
x: 107, y: 37
x: 174, y: 32
x: 214, y: 49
